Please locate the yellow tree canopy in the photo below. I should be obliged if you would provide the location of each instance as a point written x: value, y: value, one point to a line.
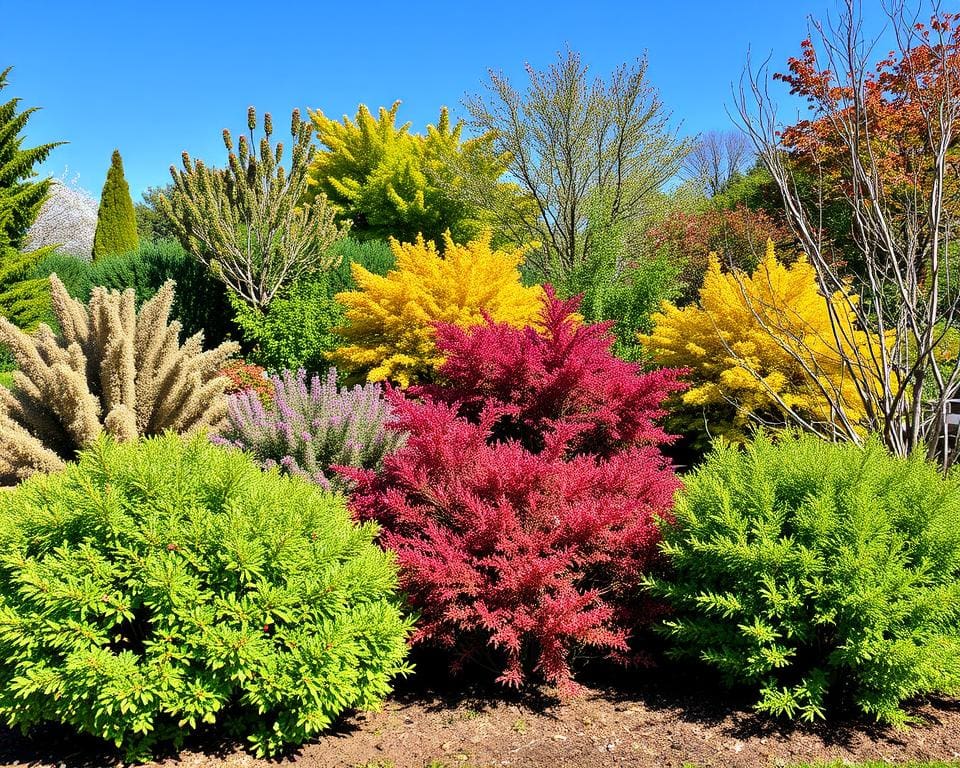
x: 388, y: 181
x: 763, y: 345
x: 390, y: 319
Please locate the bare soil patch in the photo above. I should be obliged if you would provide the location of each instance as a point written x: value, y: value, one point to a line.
x: 659, y: 718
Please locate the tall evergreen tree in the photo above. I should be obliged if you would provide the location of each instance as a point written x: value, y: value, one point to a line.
x: 22, y: 301
x: 116, y: 220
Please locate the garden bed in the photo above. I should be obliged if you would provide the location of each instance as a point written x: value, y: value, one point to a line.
x: 663, y: 721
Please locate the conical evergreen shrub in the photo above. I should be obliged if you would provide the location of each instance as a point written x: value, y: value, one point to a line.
x: 116, y: 220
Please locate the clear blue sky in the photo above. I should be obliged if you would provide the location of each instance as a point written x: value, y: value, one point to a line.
x: 156, y: 78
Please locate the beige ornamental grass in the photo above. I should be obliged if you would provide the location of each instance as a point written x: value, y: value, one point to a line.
x: 109, y: 370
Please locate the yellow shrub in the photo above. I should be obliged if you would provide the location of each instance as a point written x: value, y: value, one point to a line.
x: 758, y: 344
x: 390, y: 320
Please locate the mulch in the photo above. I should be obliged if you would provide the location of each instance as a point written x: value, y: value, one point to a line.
x: 662, y: 717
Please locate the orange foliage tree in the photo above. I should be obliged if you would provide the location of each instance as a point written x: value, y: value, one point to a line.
x: 880, y: 147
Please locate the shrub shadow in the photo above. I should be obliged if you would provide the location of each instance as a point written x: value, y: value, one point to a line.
x: 695, y: 694
x: 52, y: 744
x: 56, y: 745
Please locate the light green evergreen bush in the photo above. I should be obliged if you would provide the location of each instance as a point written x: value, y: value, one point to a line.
x: 296, y: 330
x: 155, y: 586
x: 821, y: 574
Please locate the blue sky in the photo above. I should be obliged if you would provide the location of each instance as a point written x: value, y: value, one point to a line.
x: 154, y: 79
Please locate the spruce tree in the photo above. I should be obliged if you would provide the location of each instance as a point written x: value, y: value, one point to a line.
x: 116, y: 221
x: 23, y: 301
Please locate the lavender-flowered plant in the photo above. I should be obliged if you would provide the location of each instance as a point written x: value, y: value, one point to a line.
x: 312, y: 425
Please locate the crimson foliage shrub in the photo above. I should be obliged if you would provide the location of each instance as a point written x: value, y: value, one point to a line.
x: 522, y: 506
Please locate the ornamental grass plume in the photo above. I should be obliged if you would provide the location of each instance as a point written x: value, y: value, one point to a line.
x: 309, y: 426
x: 110, y: 370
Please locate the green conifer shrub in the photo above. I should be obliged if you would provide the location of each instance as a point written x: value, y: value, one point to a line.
x: 375, y: 256
x: 73, y: 271
x: 155, y: 586
x: 823, y: 574
x: 23, y: 301
x: 116, y: 219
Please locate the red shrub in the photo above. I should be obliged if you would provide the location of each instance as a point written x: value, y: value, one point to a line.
x: 246, y: 376
x: 564, y: 374
x: 521, y: 506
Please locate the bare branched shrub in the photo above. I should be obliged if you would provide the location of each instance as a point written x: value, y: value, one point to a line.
x: 110, y: 370
x: 879, y: 155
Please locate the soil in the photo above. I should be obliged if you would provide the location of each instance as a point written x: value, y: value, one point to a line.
x: 653, y: 718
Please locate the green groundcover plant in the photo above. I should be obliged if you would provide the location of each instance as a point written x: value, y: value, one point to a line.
x: 826, y: 575
x: 155, y: 586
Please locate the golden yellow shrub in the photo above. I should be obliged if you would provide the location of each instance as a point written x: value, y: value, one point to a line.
x: 390, y: 320
x: 760, y: 344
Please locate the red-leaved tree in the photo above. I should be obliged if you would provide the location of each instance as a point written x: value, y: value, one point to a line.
x: 522, y: 504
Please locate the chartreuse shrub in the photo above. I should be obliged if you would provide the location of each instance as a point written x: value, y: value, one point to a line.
x: 819, y: 573
x: 390, y: 320
x: 116, y: 231
x: 388, y: 182
x: 155, y: 586
x: 297, y: 330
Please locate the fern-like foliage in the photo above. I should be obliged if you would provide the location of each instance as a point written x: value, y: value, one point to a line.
x: 156, y: 586
x: 110, y: 369
x: 819, y: 574
x: 522, y: 505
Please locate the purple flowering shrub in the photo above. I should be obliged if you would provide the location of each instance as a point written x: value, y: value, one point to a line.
x: 311, y: 426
